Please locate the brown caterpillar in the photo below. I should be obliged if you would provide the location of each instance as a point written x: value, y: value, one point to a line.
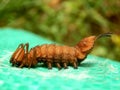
x: 51, y: 54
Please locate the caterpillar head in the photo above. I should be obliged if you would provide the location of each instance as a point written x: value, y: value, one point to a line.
x: 18, y: 56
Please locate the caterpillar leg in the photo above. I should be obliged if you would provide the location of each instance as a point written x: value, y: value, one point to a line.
x: 21, y: 65
x: 30, y: 64
x: 49, y: 65
x: 58, y: 65
x: 65, y: 65
x: 75, y: 65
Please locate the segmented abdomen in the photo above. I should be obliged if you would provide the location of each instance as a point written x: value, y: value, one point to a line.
x: 55, y: 53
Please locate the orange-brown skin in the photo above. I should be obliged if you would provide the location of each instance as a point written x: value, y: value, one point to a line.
x: 51, y: 54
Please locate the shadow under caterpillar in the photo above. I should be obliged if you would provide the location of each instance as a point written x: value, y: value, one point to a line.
x: 49, y: 54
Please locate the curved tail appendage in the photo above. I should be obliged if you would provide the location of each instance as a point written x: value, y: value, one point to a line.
x: 86, y: 44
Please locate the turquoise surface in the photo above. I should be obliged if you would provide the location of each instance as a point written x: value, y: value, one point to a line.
x: 95, y: 73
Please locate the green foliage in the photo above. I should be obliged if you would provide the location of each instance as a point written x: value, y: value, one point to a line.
x: 66, y: 21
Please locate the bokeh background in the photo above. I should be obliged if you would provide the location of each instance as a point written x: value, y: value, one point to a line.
x: 67, y: 21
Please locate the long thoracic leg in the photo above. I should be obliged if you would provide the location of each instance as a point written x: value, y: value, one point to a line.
x: 65, y: 65
x: 27, y: 47
x: 15, y: 55
x: 22, y: 64
x: 30, y: 62
x: 34, y: 61
x: 58, y: 65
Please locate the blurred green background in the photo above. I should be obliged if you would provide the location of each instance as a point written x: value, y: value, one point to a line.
x: 67, y: 21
